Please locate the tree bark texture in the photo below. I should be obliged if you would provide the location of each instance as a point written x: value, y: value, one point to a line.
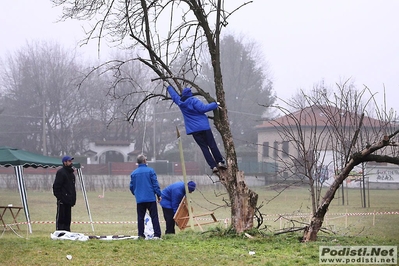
x: 243, y: 200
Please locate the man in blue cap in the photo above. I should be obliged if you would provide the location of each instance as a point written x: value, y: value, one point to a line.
x: 65, y: 191
x: 171, y: 198
x: 197, y: 125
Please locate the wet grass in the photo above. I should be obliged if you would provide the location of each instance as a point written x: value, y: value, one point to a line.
x: 115, y: 214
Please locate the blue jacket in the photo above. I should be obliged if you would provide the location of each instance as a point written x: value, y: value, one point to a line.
x: 172, y: 196
x: 144, y: 184
x: 193, y: 110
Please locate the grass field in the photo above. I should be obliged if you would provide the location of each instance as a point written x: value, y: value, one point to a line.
x: 114, y: 214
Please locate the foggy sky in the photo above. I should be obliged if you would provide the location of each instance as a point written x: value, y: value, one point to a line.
x: 304, y: 42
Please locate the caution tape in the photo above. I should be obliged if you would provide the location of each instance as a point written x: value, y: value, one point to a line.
x: 343, y: 214
x: 368, y: 213
x: 328, y: 215
x: 333, y: 214
x: 76, y: 222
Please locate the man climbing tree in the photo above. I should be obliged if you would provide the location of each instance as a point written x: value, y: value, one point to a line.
x: 164, y: 29
x: 197, y: 125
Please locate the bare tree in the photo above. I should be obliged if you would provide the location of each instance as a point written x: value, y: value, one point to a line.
x: 42, y: 105
x: 164, y: 29
x: 121, y: 78
x: 328, y: 127
x: 100, y: 110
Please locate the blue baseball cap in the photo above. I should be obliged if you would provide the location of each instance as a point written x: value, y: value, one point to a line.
x: 67, y: 158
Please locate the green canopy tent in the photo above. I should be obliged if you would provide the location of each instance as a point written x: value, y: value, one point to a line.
x: 20, y: 159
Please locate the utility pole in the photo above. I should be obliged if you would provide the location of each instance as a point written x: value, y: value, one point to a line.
x: 44, y: 130
x: 155, y: 153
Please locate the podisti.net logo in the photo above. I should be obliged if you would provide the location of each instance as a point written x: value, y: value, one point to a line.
x: 358, y: 255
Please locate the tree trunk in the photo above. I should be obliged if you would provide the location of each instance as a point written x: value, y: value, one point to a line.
x: 310, y: 233
x: 242, y: 199
x: 243, y: 202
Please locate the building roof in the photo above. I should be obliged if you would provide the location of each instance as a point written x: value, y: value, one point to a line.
x: 112, y: 143
x: 90, y: 153
x: 319, y: 116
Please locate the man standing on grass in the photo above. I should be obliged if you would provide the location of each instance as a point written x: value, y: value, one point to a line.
x: 145, y: 187
x: 65, y: 191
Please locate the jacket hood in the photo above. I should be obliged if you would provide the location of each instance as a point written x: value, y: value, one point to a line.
x: 186, y: 93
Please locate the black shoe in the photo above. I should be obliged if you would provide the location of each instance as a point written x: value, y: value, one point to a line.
x: 215, y: 169
x: 222, y: 165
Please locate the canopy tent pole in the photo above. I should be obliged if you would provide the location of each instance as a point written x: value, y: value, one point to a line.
x: 80, y: 175
x: 19, y: 173
x: 19, y: 159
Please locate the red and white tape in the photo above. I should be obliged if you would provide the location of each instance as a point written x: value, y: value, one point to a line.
x: 226, y: 220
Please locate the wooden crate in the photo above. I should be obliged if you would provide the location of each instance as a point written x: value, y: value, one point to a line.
x: 182, y: 217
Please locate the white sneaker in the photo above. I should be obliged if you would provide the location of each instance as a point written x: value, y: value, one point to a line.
x: 215, y: 169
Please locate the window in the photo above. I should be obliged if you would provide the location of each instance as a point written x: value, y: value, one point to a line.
x: 285, y: 148
x: 275, y: 149
x: 265, y: 152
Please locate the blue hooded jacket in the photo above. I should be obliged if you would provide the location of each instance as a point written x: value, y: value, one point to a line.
x: 172, y: 196
x: 193, y: 110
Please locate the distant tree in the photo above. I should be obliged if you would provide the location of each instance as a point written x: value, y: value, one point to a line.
x: 324, y: 122
x: 43, y: 77
x: 124, y: 85
x: 41, y: 103
x: 300, y: 98
x: 247, y: 84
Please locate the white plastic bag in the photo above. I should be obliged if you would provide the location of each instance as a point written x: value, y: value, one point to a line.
x: 65, y: 235
x: 148, y: 229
